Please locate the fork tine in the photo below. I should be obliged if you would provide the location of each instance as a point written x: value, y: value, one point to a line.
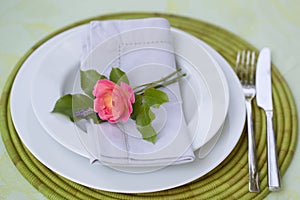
x: 252, y: 68
x: 243, y: 69
x: 248, y: 68
x: 238, y: 55
x: 239, y: 66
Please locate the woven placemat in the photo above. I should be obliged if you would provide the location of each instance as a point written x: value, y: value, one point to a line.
x: 227, y: 181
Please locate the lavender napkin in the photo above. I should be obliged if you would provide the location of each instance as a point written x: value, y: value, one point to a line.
x: 143, y: 49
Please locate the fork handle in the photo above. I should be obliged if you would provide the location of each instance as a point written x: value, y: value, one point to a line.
x: 252, y: 159
x: 273, y: 172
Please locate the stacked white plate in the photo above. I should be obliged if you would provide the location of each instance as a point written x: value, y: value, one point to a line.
x: 213, y: 105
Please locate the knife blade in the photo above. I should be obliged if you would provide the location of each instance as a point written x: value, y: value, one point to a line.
x: 264, y: 101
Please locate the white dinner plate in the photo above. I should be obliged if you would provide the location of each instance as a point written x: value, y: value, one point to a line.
x: 76, y: 168
x: 205, y: 91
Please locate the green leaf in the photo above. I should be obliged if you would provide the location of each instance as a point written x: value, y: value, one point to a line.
x: 151, y: 115
x: 144, y: 118
x: 83, y: 108
x: 148, y: 133
x: 64, y: 106
x: 154, y: 97
x: 136, y: 106
x: 74, y: 105
x: 118, y: 76
x: 88, y: 80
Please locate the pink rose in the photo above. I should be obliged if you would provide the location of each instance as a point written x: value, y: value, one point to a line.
x: 113, y: 102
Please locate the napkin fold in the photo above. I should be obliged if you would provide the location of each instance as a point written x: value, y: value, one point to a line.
x: 143, y: 49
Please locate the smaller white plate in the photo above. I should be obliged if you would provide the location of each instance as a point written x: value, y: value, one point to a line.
x: 205, y: 92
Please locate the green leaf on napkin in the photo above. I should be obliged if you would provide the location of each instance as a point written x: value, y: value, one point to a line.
x: 118, y: 76
x: 143, y: 121
x: 76, y: 107
x: 142, y: 113
x: 154, y: 97
x: 136, y: 106
x: 88, y: 80
x: 83, y: 108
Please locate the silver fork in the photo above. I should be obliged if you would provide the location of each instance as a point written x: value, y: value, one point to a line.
x: 245, y: 68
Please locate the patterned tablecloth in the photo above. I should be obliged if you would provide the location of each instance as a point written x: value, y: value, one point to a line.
x: 274, y: 24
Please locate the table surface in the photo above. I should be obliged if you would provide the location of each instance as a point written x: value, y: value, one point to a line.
x: 271, y: 23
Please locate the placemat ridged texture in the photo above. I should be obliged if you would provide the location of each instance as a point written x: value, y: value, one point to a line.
x: 227, y: 181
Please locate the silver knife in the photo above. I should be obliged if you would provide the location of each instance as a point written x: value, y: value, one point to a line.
x: 264, y: 100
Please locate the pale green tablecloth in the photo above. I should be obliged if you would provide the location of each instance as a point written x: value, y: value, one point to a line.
x: 275, y: 24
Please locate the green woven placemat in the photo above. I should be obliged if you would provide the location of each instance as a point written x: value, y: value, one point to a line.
x: 227, y: 181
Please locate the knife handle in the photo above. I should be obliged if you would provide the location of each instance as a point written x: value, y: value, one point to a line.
x: 252, y: 159
x: 273, y: 170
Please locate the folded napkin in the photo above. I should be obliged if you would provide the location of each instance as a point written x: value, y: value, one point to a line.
x: 143, y: 49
